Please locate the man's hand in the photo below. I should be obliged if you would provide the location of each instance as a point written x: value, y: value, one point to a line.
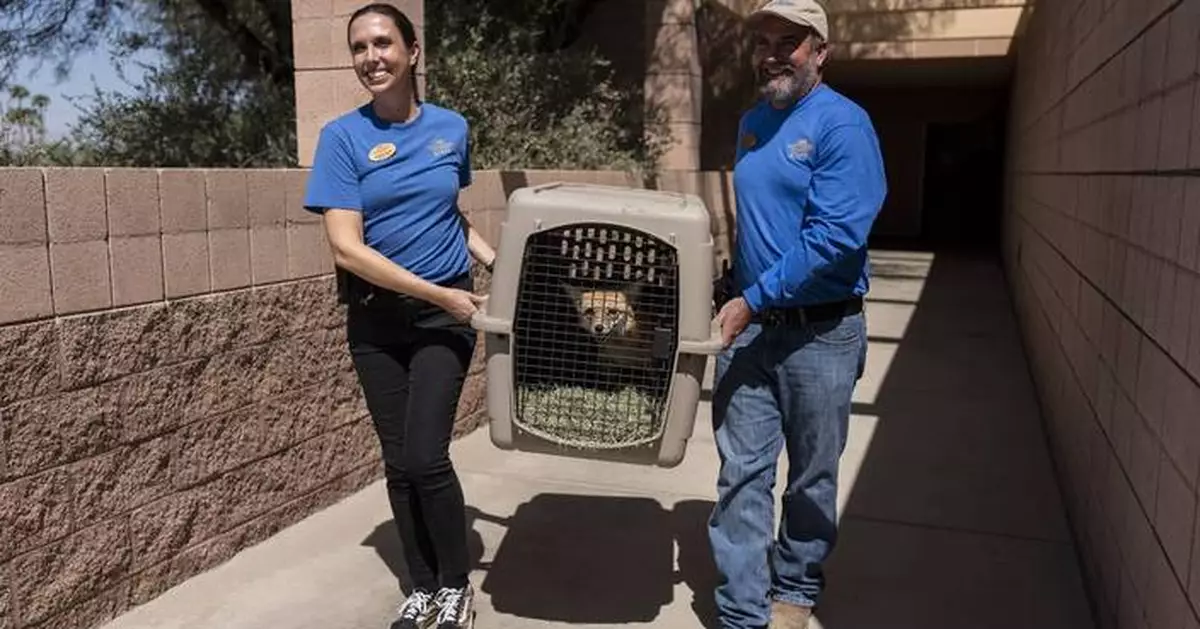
x: 733, y: 318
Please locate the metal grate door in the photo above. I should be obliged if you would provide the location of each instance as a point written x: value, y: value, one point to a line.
x: 595, y: 333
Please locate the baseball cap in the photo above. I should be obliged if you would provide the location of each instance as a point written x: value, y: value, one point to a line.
x: 808, y: 13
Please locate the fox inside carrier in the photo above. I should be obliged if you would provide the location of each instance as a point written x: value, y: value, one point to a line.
x: 599, y: 322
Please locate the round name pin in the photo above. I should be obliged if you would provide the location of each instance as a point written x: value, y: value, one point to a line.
x: 382, y: 151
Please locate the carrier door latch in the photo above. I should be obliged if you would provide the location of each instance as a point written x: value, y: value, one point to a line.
x: 661, y: 349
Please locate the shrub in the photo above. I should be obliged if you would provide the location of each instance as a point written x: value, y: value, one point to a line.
x: 534, y: 100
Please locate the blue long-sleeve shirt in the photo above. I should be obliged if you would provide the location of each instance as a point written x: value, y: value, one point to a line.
x: 809, y: 182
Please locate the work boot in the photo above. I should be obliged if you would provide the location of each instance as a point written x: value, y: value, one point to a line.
x: 789, y: 615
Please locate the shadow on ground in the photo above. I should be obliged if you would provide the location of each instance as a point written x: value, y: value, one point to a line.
x: 588, y: 559
x: 954, y: 500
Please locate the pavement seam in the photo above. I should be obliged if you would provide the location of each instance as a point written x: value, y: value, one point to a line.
x: 956, y: 529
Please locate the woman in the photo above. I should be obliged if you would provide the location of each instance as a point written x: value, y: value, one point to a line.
x: 386, y: 178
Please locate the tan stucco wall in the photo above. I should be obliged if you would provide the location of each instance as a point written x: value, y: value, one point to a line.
x: 868, y: 29
x: 920, y: 30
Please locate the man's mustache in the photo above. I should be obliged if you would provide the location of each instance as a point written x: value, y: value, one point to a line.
x: 774, y: 67
x: 784, y: 73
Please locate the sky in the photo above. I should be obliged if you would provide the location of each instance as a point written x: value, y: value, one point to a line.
x: 89, y: 70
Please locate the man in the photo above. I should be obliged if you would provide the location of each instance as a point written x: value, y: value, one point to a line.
x: 809, y: 182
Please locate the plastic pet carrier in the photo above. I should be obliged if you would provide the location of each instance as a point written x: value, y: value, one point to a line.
x: 599, y: 322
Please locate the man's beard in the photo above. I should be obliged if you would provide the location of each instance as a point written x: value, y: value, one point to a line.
x: 785, y: 89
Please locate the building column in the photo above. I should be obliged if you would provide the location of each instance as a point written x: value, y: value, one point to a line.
x: 325, y: 83
x: 673, y: 78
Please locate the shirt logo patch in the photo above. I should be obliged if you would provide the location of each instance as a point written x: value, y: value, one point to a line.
x: 800, y: 149
x: 440, y: 147
x: 749, y: 140
x: 381, y: 152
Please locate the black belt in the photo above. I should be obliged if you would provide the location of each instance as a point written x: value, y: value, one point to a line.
x: 809, y: 314
x: 353, y: 289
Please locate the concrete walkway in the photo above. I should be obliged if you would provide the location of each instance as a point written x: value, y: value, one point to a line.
x: 951, y: 514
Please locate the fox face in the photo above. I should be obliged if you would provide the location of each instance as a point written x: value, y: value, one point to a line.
x: 604, y: 312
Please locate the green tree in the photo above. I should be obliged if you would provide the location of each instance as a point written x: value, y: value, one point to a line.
x: 23, y: 124
x: 218, y: 93
x: 23, y: 130
x: 535, y: 98
x: 222, y: 91
x: 220, y: 96
x: 258, y: 30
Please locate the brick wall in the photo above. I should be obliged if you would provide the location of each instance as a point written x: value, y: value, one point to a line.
x: 174, y: 385
x: 1102, y: 240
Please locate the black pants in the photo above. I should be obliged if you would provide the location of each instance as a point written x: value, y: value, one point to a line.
x: 411, y: 358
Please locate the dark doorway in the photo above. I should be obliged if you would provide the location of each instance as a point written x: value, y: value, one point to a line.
x: 964, y: 183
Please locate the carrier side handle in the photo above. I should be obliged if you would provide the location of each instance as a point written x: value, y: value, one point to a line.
x: 487, y: 323
x: 484, y: 322
x: 709, y: 347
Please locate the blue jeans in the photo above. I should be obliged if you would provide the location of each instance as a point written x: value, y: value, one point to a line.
x: 780, y: 386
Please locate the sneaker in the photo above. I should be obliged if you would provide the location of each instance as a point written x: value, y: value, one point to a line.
x: 417, y: 612
x: 456, y: 608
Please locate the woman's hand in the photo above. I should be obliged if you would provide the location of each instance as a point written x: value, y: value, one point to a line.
x: 461, y: 304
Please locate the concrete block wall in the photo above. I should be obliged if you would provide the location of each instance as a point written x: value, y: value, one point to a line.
x: 174, y: 382
x: 1102, y: 248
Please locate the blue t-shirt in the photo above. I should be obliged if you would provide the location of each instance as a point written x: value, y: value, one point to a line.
x: 404, y: 177
x: 808, y: 184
